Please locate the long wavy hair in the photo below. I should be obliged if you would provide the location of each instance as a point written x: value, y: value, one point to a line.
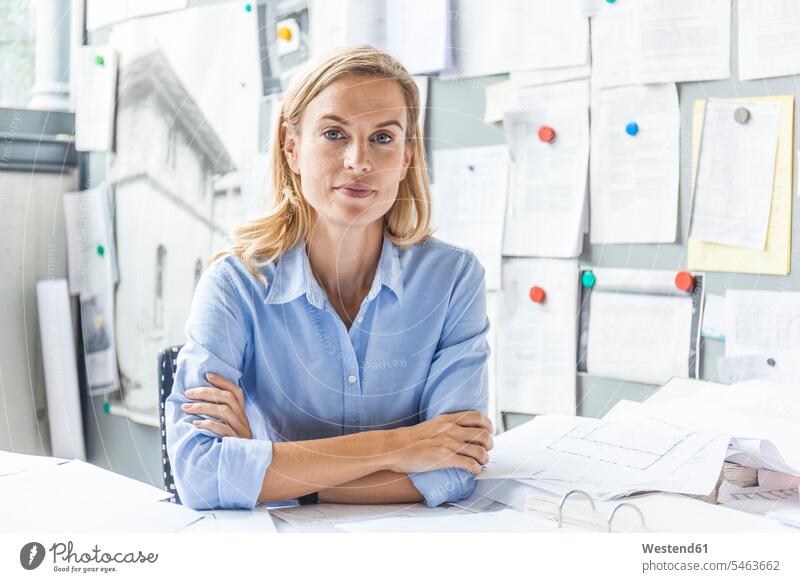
x: 263, y: 240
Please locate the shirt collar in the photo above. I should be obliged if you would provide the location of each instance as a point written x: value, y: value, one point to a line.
x: 293, y: 276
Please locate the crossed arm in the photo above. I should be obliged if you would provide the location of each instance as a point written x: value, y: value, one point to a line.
x: 367, y: 467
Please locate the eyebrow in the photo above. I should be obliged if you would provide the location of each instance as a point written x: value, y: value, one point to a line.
x: 338, y: 119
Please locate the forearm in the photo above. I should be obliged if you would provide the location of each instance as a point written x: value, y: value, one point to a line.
x: 302, y: 467
x: 380, y: 487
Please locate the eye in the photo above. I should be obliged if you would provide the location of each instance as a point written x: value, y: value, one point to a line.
x: 389, y: 138
x: 332, y: 134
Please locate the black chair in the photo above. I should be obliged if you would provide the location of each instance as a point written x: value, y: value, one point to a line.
x: 167, y: 361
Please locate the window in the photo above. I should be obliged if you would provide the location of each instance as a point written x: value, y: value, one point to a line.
x: 158, y: 297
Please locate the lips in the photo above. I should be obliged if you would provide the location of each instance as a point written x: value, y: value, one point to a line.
x: 356, y: 190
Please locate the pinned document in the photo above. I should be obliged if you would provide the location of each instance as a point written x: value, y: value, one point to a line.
x: 636, y: 325
x: 94, y: 92
x: 469, y: 202
x: 769, y: 39
x: 735, y: 171
x: 634, y: 182
x: 536, y: 349
x: 775, y: 258
x: 547, y: 195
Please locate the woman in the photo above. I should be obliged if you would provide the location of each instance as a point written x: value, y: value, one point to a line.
x: 337, y: 349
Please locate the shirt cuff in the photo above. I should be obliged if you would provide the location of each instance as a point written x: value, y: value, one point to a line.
x: 242, y: 465
x: 443, y: 485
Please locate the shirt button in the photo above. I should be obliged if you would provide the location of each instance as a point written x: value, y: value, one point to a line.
x: 352, y: 379
x: 360, y: 319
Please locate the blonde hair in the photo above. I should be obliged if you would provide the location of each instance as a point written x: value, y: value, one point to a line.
x: 263, y: 240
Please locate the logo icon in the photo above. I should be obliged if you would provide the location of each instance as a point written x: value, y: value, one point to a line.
x: 31, y: 555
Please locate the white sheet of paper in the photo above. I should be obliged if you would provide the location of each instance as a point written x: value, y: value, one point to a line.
x: 761, y: 322
x: 713, y: 325
x: 256, y: 520
x: 547, y: 195
x: 506, y: 520
x: 418, y: 34
x: 622, y: 456
x: 91, y: 253
x: 536, y: 349
x: 102, y: 13
x: 94, y: 96
x: 336, y: 23
x: 639, y: 338
x: 650, y: 41
x: 755, y: 409
x: 735, y: 172
x: 634, y: 179
x: 19, y: 462
x: 530, y: 77
x: 769, y: 38
x: 336, y: 513
x: 780, y: 367
x: 470, y: 202
x: 86, y: 499
x: 496, y: 38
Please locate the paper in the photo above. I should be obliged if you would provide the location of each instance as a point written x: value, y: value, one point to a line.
x: 488, y: 39
x: 99, y: 342
x: 18, y: 462
x: 769, y: 39
x: 91, y: 253
x: 547, y: 196
x: 651, y: 41
x: 762, y: 322
x: 492, y: 312
x: 59, y: 360
x: 713, y: 326
x: 256, y: 520
x: 94, y: 95
x: 495, y: 101
x: 775, y: 259
x: 415, y: 32
x: 86, y: 499
x: 636, y: 335
x: 615, y: 457
x: 634, y: 179
x: 102, y: 13
x: 336, y: 513
x: 536, y: 351
x: 780, y: 367
x: 735, y: 171
x: 756, y: 410
x: 503, y: 521
x: 469, y: 202
x: 530, y: 77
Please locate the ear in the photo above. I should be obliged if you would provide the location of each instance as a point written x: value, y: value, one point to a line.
x: 290, y: 147
x: 407, y: 153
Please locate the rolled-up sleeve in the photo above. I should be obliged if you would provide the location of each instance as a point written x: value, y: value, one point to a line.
x: 458, y: 378
x: 211, y: 471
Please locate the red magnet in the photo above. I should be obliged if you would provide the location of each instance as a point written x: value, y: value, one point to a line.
x: 537, y: 294
x: 547, y: 134
x: 684, y: 281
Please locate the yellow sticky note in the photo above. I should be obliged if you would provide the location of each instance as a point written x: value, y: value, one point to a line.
x: 776, y: 257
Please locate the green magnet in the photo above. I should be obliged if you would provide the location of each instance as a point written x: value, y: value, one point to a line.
x: 101, y: 250
x: 588, y: 279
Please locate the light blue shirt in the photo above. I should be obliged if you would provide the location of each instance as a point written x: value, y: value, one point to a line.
x: 417, y: 349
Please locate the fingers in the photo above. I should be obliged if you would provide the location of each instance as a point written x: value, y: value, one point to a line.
x: 217, y: 427
x: 470, y: 418
x: 468, y: 464
x: 476, y: 452
x: 228, y: 386
x: 220, y: 411
x: 477, y: 436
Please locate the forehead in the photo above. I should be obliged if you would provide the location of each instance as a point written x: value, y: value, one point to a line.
x: 359, y: 98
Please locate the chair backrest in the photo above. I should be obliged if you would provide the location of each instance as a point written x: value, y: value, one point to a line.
x: 167, y: 360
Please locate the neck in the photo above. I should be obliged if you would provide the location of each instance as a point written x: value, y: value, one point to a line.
x: 344, y: 259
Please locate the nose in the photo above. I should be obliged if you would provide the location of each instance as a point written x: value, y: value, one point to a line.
x: 356, y: 157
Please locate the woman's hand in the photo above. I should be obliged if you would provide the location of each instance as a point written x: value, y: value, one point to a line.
x: 222, y: 400
x: 459, y: 439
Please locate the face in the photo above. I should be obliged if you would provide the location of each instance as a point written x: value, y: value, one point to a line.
x: 350, y: 150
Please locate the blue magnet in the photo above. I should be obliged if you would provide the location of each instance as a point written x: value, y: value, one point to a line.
x: 632, y: 128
